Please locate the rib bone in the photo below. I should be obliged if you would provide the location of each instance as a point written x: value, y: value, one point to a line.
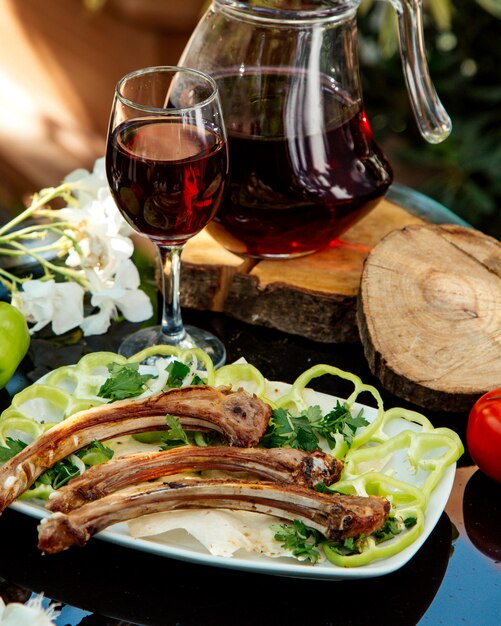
x: 336, y: 516
x: 240, y: 417
x: 276, y: 465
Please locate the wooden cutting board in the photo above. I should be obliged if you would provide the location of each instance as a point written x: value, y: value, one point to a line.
x: 312, y: 296
x: 429, y: 314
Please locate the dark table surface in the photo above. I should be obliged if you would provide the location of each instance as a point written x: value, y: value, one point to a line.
x: 455, y: 578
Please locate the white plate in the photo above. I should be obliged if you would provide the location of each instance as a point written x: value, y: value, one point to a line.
x: 181, y: 546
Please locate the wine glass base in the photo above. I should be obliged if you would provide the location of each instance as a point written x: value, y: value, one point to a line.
x: 194, y: 338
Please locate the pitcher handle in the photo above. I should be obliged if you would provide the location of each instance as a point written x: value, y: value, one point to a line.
x: 433, y: 121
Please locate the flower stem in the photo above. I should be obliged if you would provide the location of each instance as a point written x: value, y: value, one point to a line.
x: 8, y: 279
x: 29, y: 251
x: 37, y: 230
x: 46, y: 195
x: 51, y: 267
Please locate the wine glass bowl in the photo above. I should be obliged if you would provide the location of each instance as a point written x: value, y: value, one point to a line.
x: 167, y: 167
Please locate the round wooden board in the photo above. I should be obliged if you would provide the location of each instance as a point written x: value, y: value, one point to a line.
x: 429, y: 315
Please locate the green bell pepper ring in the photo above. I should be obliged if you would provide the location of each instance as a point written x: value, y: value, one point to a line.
x: 14, y: 341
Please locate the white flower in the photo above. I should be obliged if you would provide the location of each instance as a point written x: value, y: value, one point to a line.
x: 97, y: 249
x: 42, y: 302
x: 117, y: 224
x: 99, y: 211
x: 122, y: 294
x: 88, y: 184
x: 32, y: 613
x: 98, y: 323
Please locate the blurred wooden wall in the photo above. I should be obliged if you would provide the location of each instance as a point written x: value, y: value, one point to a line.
x: 59, y: 63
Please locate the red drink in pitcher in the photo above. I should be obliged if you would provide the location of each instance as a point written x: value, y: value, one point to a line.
x: 294, y: 190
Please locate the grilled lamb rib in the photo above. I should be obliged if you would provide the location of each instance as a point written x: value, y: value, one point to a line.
x: 276, y: 465
x: 240, y: 417
x: 336, y: 516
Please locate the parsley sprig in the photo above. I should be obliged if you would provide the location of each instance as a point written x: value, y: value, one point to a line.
x: 304, y: 542
x: 393, y: 526
x: 176, y: 436
x: 124, y: 381
x: 65, y: 469
x: 303, y: 431
x: 12, y: 447
x: 177, y: 374
x: 300, y: 539
x: 340, y: 420
x: 286, y: 430
x: 58, y: 475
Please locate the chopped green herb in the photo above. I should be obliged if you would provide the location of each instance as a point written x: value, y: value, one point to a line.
x: 174, y: 437
x: 287, y: 430
x: 59, y: 474
x: 11, y: 449
x: 352, y: 545
x: 339, y: 420
x: 197, y: 380
x: 300, y: 539
x: 177, y: 373
x: 390, y: 529
x: 393, y: 526
x: 303, y: 431
x: 66, y: 469
x: 125, y: 382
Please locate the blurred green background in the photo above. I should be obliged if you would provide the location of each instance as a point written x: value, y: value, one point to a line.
x: 463, y: 41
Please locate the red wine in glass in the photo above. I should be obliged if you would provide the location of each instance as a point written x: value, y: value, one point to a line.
x: 167, y: 167
x: 166, y: 176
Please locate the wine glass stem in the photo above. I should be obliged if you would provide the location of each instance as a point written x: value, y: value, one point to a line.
x: 172, y: 323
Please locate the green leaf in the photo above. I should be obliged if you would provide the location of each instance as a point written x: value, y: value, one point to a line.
x: 352, y: 545
x: 340, y: 420
x: 305, y: 437
x: 300, y: 539
x: 286, y: 430
x: 177, y: 373
x: 176, y: 436
x: 392, y: 527
x: 59, y: 474
x: 197, y: 380
x: 303, y: 431
x: 13, y: 447
x: 125, y: 382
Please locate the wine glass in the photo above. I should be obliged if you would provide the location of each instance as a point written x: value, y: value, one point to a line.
x: 167, y: 166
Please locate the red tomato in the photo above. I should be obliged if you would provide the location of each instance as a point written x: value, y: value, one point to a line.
x: 483, y: 434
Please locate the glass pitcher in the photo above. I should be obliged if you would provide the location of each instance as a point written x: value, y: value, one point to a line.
x: 304, y: 163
